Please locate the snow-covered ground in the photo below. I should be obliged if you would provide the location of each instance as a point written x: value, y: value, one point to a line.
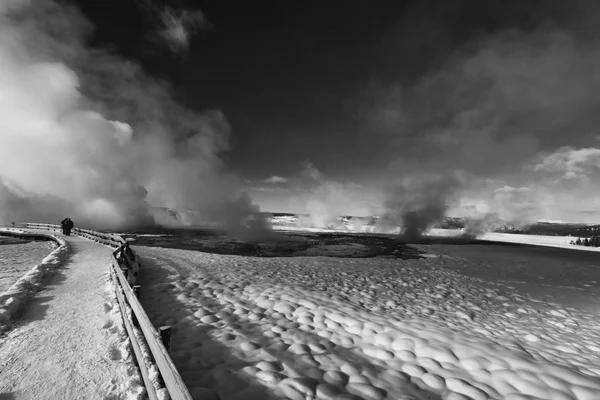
x: 465, y: 321
x: 69, y: 341
x: 334, y: 328
x: 24, y: 287
x: 17, y: 256
x: 538, y: 240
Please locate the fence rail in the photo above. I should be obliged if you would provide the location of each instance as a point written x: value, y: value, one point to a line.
x: 104, y: 238
x: 124, y: 270
x: 171, y: 378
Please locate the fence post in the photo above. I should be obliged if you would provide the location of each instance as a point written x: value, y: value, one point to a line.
x: 165, y: 335
x: 137, y: 289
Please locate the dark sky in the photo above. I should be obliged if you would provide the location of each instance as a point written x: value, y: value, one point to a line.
x: 291, y: 74
x: 365, y: 89
x: 284, y: 73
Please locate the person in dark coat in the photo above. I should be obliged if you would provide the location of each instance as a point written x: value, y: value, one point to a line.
x: 63, y: 225
x: 69, y: 225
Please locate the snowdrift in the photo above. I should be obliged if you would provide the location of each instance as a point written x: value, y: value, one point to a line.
x: 12, y: 300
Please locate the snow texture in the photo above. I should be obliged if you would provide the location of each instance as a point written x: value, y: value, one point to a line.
x: 148, y: 359
x: 326, y: 328
x: 19, y: 255
x: 70, y: 342
x: 13, y: 299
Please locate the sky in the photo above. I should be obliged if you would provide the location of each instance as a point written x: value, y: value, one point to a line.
x: 473, y: 107
x: 369, y: 93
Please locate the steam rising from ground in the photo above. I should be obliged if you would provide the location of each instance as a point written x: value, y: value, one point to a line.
x: 88, y: 134
x: 500, y: 109
x: 325, y: 199
x: 417, y: 203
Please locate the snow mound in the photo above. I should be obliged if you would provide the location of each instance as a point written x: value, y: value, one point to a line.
x: 13, y: 299
x: 367, y: 329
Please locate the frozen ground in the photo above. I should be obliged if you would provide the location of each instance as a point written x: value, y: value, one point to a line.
x: 17, y: 256
x: 538, y: 240
x: 286, y: 244
x: 69, y: 342
x: 568, y: 276
x: 437, y: 327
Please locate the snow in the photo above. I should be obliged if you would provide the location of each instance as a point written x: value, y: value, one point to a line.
x: 15, y: 297
x: 17, y: 256
x: 307, y: 327
x: 69, y: 342
x: 440, y: 327
x: 537, y: 240
x: 153, y: 372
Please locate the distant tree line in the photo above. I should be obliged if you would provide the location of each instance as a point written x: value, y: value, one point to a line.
x: 593, y: 241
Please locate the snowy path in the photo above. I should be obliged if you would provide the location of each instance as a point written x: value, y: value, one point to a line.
x: 70, y: 342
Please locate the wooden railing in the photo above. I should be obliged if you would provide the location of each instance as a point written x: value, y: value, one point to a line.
x: 156, y: 344
x: 104, y: 238
x: 124, y: 270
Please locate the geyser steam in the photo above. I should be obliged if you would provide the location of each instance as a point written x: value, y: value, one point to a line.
x: 417, y: 203
x: 88, y: 134
x: 489, y: 106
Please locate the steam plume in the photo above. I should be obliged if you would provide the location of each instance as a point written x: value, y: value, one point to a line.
x: 490, y: 108
x: 88, y: 134
x: 325, y: 199
x: 417, y: 203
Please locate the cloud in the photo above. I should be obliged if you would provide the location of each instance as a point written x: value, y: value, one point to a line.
x: 271, y: 189
x: 569, y: 162
x: 491, y: 108
x: 176, y: 26
x: 88, y: 134
x: 273, y: 180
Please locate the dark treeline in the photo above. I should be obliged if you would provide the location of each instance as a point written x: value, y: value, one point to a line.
x: 593, y: 241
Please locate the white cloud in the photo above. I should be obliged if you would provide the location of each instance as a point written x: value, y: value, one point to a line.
x: 275, y: 180
x: 570, y: 162
x: 511, y: 190
x: 270, y: 189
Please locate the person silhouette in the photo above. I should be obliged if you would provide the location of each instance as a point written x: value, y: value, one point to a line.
x: 63, y: 225
x: 69, y: 225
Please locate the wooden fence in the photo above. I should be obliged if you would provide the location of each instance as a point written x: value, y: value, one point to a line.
x: 104, y: 238
x: 124, y: 269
